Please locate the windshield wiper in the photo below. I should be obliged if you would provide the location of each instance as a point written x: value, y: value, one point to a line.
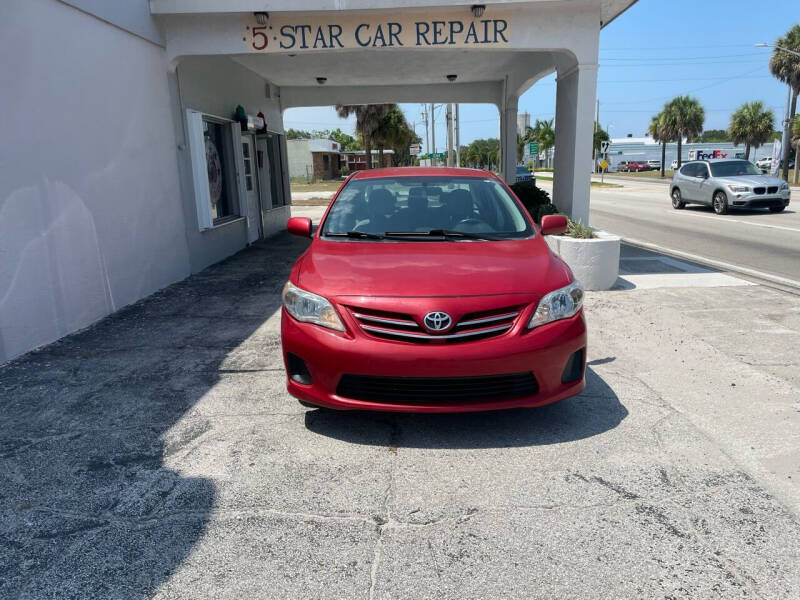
x: 446, y: 233
x: 360, y: 235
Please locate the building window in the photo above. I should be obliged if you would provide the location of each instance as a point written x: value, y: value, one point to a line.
x: 326, y: 162
x: 220, y: 169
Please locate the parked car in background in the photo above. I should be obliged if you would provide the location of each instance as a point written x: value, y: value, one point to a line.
x: 674, y: 164
x: 636, y: 166
x: 654, y: 165
x: 764, y: 163
x: 524, y: 175
x: 622, y: 166
x: 727, y: 183
x: 431, y: 290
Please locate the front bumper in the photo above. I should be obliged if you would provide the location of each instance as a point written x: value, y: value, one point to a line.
x: 329, y: 355
x: 750, y: 200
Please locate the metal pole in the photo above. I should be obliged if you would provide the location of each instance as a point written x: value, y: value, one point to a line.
x: 427, y: 133
x: 785, y: 150
x: 449, y: 118
x: 433, y: 132
x: 458, y: 138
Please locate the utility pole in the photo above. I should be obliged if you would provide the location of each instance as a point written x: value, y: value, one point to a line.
x: 596, y: 121
x: 433, y: 133
x: 450, y: 156
x: 458, y: 138
x: 424, y: 116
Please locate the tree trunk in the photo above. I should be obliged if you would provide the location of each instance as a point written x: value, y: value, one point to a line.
x: 663, y: 158
x: 747, y: 151
x: 367, y: 151
x: 679, y: 151
x: 788, y: 146
x: 380, y: 155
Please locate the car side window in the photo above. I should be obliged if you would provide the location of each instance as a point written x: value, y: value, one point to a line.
x: 689, y: 170
x: 702, y: 170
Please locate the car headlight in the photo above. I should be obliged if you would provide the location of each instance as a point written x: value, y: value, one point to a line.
x: 738, y: 188
x: 557, y: 305
x: 784, y: 186
x: 310, y: 308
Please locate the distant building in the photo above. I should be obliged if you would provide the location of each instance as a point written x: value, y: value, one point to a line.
x: 645, y: 148
x: 523, y: 122
x: 356, y: 160
x: 314, y: 159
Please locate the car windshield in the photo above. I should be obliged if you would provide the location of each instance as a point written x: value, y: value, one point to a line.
x: 433, y: 208
x: 733, y: 168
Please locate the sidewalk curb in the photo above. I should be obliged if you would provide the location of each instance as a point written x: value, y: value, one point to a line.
x: 757, y: 275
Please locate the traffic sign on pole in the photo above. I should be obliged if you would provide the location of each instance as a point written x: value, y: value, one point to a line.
x: 604, y: 146
x: 533, y: 148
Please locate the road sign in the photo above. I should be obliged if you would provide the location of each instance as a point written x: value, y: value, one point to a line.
x: 604, y: 165
x: 533, y: 148
x: 604, y: 146
x: 414, y: 149
x: 434, y: 155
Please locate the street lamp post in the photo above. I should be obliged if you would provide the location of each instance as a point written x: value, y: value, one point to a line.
x: 787, y: 120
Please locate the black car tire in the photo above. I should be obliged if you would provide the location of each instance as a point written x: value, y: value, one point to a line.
x: 677, y: 202
x: 776, y: 209
x: 720, y: 203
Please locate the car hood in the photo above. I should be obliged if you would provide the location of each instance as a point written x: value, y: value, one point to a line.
x: 751, y: 180
x: 451, y: 268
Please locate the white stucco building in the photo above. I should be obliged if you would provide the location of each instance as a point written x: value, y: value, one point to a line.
x: 122, y: 169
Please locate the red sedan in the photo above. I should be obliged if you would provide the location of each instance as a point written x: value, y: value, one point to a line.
x: 431, y: 290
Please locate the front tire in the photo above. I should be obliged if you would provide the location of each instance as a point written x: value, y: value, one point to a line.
x: 720, y: 203
x: 776, y: 209
x: 677, y: 200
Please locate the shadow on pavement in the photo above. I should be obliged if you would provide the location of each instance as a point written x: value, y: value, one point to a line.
x: 593, y: 412
x: 88, y: 507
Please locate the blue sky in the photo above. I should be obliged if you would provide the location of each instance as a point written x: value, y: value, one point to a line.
x: 651, y: 53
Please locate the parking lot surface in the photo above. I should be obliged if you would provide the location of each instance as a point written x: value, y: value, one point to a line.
x: 157, y: 455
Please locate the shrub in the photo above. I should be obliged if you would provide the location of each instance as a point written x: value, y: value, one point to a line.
x: 531, y: 197
x: 546, y: 209
x: 576, y: 229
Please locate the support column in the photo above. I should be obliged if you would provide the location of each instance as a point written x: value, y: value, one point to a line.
x: 508, y: 139
x: 575, y: 96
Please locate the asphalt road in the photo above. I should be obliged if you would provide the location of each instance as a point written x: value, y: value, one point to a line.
x: 754, y: 239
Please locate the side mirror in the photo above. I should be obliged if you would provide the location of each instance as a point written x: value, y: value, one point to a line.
x: 299, y: 226
x: 552, y: 224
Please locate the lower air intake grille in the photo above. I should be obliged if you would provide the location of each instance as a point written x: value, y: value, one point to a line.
x: 437, y: 390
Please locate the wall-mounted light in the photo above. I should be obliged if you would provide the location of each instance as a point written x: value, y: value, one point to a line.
x: 452, y: 77
x: 477, y: 10
x: 261, y: 17
x: 322, y: 80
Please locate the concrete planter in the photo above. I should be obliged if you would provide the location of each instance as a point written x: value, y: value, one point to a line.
x: 595, y: 262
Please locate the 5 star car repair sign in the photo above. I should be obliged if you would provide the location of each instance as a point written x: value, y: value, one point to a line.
x: 297, y: 33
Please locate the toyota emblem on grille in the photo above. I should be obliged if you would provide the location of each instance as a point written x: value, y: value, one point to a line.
x: 437, y: 321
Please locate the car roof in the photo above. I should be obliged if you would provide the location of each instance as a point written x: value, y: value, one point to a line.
x: 719, y: 160
x: 422, y: 172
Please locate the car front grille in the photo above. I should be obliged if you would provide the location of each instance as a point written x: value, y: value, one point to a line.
x: 759, y: 190
x: 403, y: 327
x: 772, y: 189
x: 437, y: 390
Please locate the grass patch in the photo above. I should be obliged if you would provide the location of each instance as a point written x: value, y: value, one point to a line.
x: 321, y: 186
x: 644, y: 174
x: 311, y: 201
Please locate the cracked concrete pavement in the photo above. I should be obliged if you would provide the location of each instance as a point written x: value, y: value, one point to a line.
x: 157, y: 455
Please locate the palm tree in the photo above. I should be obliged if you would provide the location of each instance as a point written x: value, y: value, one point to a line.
x: 544, y: 133
x: 660, y: 131
x: 786, y: 67
x: 751, y: 125
x: 368, y: 117
x: 684, y: 117
x: 394, y: 131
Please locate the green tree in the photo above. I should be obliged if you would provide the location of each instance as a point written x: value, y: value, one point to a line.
x: 661, y: 132
x: 544, y: 133
x: 600, y: 135
x: 684, y: 117
x: 394, y: 131
x: 786, y: 67
x: 368, y: 117
x: 481, y: 153
x: 751, y: 125
x: 346, y: 141
x: 796, y: 143
x: 713, y: 135
x: 298, y: 134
